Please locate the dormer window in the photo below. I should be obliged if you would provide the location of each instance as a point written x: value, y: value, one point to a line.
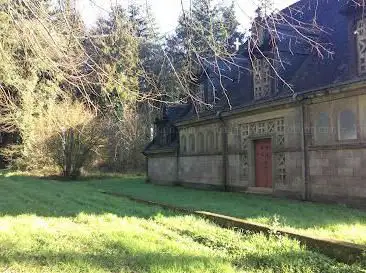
x: 261, y: 78
x: 361, y: 45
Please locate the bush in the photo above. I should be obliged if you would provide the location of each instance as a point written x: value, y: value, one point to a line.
x: 75, y: 147
x: 61, y: 135
x: 61, y: 138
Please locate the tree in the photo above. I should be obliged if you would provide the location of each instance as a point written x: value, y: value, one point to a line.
x: 205, y: 33
x: 40, y: 68
x: 122, y: 47
x: 120, y: 67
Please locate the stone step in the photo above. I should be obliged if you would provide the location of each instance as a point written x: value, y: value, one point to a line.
x: 257, y: 190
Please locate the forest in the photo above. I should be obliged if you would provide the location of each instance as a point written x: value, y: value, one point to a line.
x: 75, y: 97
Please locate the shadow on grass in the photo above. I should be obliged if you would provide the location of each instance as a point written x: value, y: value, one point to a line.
x: 89, y: 177
x: 21, y: 195
x: 29, y: 195
x: 261, y: 209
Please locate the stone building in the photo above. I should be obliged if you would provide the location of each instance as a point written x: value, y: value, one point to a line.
x: 287, y: 123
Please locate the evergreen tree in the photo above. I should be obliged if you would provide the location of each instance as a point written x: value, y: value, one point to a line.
x: 142, y: 21
x: 204, y: 32
x: 125, y: 46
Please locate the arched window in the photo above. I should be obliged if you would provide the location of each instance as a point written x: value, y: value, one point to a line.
x: 184, y: 144
x: 201, y: 142
x: 163, y: 136
x: 218, y: 141
x: 347, y: 129
x: 322, y: 127
x: 210, y: 141
x: 192, y: 143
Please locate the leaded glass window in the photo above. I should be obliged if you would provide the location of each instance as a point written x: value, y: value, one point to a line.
x: 361, y: 45
x: 261, y: 78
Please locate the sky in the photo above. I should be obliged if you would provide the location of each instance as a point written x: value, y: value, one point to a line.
x: 167, y: 12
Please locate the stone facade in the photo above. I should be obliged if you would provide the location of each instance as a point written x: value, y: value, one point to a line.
x: 220, y: 153
x: 337, y: 160
x: 162, y: 169
x: 298, y: 130
x: 282, y: 128
x: 205, y: 170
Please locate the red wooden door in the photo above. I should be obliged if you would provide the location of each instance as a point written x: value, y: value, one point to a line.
x: 263, y: 163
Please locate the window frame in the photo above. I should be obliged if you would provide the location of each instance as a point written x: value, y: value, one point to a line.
x: 339, y: 128
x: 210, y: 141
x: 192, y: 143
x: 201, y: 142
x: 262, y: 78
x: 317, y: 128
x: 183, y: 144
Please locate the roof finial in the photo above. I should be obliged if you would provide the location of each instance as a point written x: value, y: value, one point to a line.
x: 237, y: 44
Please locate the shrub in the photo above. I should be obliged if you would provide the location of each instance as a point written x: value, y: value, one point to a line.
x: 75, y: 147
x: 72, y: 139
x: 60, y: 137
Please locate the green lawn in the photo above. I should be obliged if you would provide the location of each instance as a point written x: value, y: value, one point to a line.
x: 49, y: 226
x: 324, y: 221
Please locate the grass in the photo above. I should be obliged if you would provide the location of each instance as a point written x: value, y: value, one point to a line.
x: 324, y: 221
x: 50, y: 226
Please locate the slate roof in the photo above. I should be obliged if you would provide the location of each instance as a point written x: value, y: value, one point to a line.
x: 303, y: 69
x: 314, y: 71
x: 177, y: 112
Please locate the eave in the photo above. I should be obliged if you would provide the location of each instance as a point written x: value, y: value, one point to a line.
x: 279, y: 103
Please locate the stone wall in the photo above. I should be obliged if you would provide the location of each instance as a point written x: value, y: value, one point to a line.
x: 201, y: 139
x: 335, y: 135
x: 338, y: 175
x: 284, y: 128
x: 200, y: 161
x: 162, y: 169
x: 337, y: 157
x: 206, y: 170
